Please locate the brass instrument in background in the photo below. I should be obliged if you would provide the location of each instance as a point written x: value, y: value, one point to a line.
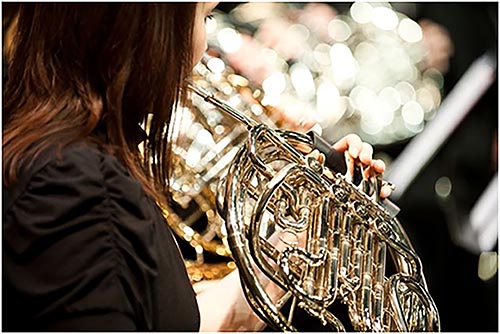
x: 204, y: 144
x: 319, y: 237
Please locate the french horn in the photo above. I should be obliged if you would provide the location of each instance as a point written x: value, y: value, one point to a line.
x: 317, y: 235
x: 207, y: 140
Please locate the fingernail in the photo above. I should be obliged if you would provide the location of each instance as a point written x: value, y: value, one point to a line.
x: 365, y: 158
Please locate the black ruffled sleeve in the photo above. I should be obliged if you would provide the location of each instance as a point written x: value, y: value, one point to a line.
x: 85, y: 249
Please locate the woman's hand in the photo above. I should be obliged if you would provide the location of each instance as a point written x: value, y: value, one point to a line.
x: 357, y: 150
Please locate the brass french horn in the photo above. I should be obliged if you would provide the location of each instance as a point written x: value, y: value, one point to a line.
x: 317, y: 235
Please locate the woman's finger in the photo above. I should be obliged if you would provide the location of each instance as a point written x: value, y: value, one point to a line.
x: 378, y: 166
x: 365, y: 155
x: 352, y: 143
x: 385, y: 191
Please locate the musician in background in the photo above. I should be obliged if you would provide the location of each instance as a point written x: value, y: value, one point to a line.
x: 85, y: 245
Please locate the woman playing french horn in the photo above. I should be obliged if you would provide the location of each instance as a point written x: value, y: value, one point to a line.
x: 85, y: 245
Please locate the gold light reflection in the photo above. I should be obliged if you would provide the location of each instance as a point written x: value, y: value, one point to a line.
x: 344, y: 66
x: 275, y: 84
x: 216, y: 65
x: 229, y: 39
x: 384, y: 18
x: 412, y: 113
x: 410, y: 31
x: 488, y: 265
x: 339, y: 30
x: 303, y: 81
x: 443, y: 186
x: 361, y: 12
x: 330, y: 106
x: 321, y: 54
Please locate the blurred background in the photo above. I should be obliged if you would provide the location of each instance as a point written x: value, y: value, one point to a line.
x: 416, y: 80
x: 397, y: 73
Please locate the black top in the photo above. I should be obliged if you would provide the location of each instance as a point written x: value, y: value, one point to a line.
x: 85, y: 249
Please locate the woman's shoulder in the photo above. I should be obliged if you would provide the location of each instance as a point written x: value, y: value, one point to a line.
x: 82, y: 165
x: 81, y: 155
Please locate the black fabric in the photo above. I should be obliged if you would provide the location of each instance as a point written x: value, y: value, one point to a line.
x: 85, y: 249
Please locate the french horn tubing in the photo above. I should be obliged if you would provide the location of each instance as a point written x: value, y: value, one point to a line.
x: 317, y: 235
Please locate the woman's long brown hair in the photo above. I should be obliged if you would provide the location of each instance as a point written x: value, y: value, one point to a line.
x: 78, y: 69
